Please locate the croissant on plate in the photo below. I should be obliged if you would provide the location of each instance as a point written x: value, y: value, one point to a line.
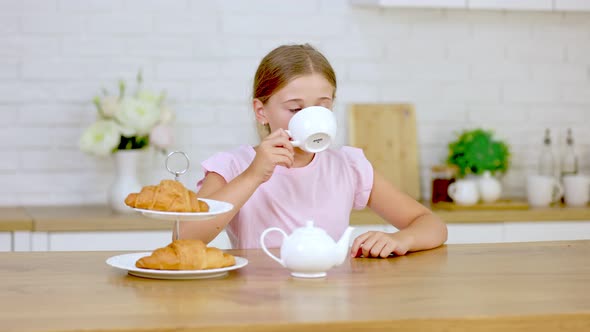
x: 186, y: 255
x: 169, y: 195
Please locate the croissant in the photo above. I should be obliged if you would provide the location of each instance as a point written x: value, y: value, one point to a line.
x: 186, y: 255
x: 169, y: 196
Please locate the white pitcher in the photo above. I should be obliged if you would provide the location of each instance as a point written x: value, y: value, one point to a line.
x: 464, y: 192
x: 490, y: 188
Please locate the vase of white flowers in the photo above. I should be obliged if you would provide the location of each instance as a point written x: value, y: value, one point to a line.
x: 126, y: 125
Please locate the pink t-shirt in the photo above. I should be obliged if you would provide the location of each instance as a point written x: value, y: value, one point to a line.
x: 325, y: 191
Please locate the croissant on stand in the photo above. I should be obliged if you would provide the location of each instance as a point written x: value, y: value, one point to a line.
x: 186, y: 255
x: 169, y: 196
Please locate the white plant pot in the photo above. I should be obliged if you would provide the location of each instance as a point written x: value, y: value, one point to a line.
x: 126, y: 179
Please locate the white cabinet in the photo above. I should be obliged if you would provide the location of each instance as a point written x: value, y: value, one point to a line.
x: 532, y: 5
x: 413, y: 3
x: 5, y: 241
x: 546, y: 5
x: 475, y: 233
x: 546, y: 231
x: 102, y: 241
x: 572, y: 5
x: 493, y: 232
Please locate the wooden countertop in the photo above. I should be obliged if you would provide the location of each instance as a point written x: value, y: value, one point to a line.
x: 485, y: 287
x: 554, y: 213
x: 91, y: 218
x: 101, y: 218
x: 15, y: 219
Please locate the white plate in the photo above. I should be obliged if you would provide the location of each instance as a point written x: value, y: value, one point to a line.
x: 127, y: 262
x: 215, y: 208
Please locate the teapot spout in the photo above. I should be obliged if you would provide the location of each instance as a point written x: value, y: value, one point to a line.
x: 342, y: 246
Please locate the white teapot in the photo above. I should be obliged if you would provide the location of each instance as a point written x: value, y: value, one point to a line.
x: 309, y: 251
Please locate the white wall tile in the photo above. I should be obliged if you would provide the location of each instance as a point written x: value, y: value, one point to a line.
x: 499, y: 71
x: 576, y: 93
x: 52, y: 114
x: 9, y: 69
x: 8, y: 115
x: 19, y: 46
x: 8, y: 24
x: 52, y: 24
x: 187, y: 24
x: 20, y: 91
x: 188, y: 69
x: 9, y: 161
x: 533, y: 92
x: 90, y: 6
x: 536, y: 52
x: 11, y: 6
x: 157, y: 6
x: 565, y: 73
x: 472, y: 92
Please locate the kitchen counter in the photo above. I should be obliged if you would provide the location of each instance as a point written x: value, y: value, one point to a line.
x: 484, y: 287
x: 15, y: 219
x: 556, y: 213
x: 101, y: 218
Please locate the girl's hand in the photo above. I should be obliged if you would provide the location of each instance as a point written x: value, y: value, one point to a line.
x: 380, y: 244
x: 274, y: 150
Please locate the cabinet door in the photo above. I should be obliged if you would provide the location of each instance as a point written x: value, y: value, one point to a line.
x: 5, y: 241
x: 413, y: 3
x: 546, y: 231
x: 115, y: 241
x: 511, y: 4
x: 573, y: 5
x: 475, y: 233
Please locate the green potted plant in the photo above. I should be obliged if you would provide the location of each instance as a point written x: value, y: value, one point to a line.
x: 476, y: 152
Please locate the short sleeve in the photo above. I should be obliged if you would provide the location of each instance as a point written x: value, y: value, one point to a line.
x: 222, y: 163
x: 362, y: 174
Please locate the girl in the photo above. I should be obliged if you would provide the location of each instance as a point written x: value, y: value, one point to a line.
x: 275, y: 184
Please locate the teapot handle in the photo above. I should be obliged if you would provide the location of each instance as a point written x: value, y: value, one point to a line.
x: 452, y: 190
x: 263, y: 235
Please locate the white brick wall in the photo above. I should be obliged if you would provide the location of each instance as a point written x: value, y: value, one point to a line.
x: 497, y: 69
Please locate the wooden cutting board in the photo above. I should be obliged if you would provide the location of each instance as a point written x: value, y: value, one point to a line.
x: 387, y: 134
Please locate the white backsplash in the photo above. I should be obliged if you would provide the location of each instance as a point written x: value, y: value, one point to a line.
x: 514, y: 72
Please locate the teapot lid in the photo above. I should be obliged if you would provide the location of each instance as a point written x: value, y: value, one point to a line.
x: 310, y: 229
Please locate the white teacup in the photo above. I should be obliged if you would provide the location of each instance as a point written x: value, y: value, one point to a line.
x: 576, y: 189
x: 464, y: 192
x: 313, y: 129
x: 543, y: 190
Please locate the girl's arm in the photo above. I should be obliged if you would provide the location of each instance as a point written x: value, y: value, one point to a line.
x: 236, y: 192
x: 274, y: 150
x: 419, y: 228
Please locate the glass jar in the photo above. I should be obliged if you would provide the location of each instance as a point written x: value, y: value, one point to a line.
x: 442, y: 177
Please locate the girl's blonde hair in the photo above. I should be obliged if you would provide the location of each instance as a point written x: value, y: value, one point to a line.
x: 284, y: 64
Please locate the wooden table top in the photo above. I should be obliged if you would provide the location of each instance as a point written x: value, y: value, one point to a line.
x: 540, y: 286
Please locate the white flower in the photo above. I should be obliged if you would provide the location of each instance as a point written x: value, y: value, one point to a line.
x: 166, y: 115
x: 100, y: 138
x: 162, y: 136
x: 138, y: 116
x: 149, y: 96
x: 109, y: 106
